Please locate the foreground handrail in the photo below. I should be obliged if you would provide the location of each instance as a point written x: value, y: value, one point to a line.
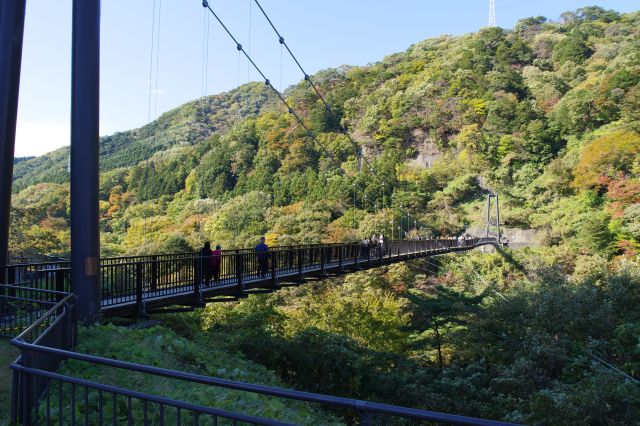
x: 336, y: 401
x: 62, y: 303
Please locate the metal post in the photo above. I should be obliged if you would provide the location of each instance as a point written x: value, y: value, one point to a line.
x: 488, y: 214
x: 498, y: 216
x: 300, y: 264
x: 274, y: 268
x: 11, y: 35
x: 60, y: 282
x: 25, y: 383
x: 85, y: 95
x: 154, y: 273
x: 239, y: 271
x: 322, y: 260
x: 139, y: 302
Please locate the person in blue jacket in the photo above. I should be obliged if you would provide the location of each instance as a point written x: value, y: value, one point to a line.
x: 262, y: 253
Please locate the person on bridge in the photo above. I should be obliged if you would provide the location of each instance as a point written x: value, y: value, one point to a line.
x: 216, y: 258
x: 206, y: 271
x: 364, y: 249
x: 262, y: 253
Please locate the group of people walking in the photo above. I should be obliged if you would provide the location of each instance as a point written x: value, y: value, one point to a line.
x: 210, y: 261
x: 376, y: 242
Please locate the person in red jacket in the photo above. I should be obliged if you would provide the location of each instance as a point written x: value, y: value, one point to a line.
x: 216, y: 258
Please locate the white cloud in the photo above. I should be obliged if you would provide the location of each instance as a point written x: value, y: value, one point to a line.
x: 40, y: 137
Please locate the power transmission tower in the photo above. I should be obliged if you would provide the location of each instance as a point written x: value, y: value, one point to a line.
x: 492, y: 13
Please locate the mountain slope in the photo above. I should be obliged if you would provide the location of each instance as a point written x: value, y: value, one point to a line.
x: 510, y: 110
x: 188, y: 124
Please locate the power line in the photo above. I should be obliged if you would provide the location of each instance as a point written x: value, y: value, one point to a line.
x: 290, y: 109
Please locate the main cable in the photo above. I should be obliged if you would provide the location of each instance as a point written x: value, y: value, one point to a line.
x: 290, y: 109
x: 308, y: 79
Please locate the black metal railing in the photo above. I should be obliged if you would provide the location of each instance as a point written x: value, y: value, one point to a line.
x: 67, y: 400
x: 133, y: 281
x: 22, y: 306
x: 41, y: 318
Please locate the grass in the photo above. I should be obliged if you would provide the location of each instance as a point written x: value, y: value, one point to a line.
x: 159, y: 346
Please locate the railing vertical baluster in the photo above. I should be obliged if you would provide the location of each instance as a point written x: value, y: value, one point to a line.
x: 100, y: 408
x: 129, y: 412
x: 323, y: 259
x: 239, y: 271
x: 48, y: 393
x: 14, y: 397
x: 340, y: 257
x: 154, y: 273
x: 197, y: 297
x: 274, y: 268
x: 300, y: 263
x: 60, y: 403
x: 365, y: 418
x: 59, y: 282
x: 73, y: 404
x: 86, y: 406
x: 290, y: 255
x: 25, y: 382
x: 138, y: 280
x: 11, y: 279
x: 114, y: 412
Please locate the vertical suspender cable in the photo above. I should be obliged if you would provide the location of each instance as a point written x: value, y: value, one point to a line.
x: 249, y: 44
x: 156, y: 93
x: 204, y: 41
x: 206, y: 64
x: 146, y: 169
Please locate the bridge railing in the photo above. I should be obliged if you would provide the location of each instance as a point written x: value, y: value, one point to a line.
x: 21, y: 306
x: 66, y: 399
x: 42, y: 318
x: 132, y: 279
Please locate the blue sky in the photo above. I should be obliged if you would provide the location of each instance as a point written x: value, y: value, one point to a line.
x: 322, y: 33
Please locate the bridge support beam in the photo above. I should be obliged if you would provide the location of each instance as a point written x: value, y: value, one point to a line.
x: 11, y: 35
x: 85, y: 108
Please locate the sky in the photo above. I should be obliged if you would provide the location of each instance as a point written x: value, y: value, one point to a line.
x: 321, y: 33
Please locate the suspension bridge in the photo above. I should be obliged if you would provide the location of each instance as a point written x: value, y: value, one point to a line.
x: 43, y: 302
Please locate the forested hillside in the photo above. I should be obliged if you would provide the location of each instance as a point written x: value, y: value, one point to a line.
x: 546, y: 114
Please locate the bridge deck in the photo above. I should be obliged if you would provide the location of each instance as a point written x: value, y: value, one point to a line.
x: 138, y: 284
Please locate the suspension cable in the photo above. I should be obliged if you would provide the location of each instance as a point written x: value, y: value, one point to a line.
x: 311, y: 83
x: 146, y: 168
x: 290, y: 109
x: 205, y: 15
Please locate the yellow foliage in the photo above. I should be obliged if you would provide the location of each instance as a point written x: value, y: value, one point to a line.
x: 271, y: 239
x: 608, y: 155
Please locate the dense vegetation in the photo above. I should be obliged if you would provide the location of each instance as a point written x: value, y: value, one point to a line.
x: 517, y: 341
x: 547, y: 114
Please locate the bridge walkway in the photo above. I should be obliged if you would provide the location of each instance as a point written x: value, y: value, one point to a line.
x: 144, y: 284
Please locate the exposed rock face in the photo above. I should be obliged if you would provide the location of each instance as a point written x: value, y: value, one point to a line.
x: 428, y: 151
